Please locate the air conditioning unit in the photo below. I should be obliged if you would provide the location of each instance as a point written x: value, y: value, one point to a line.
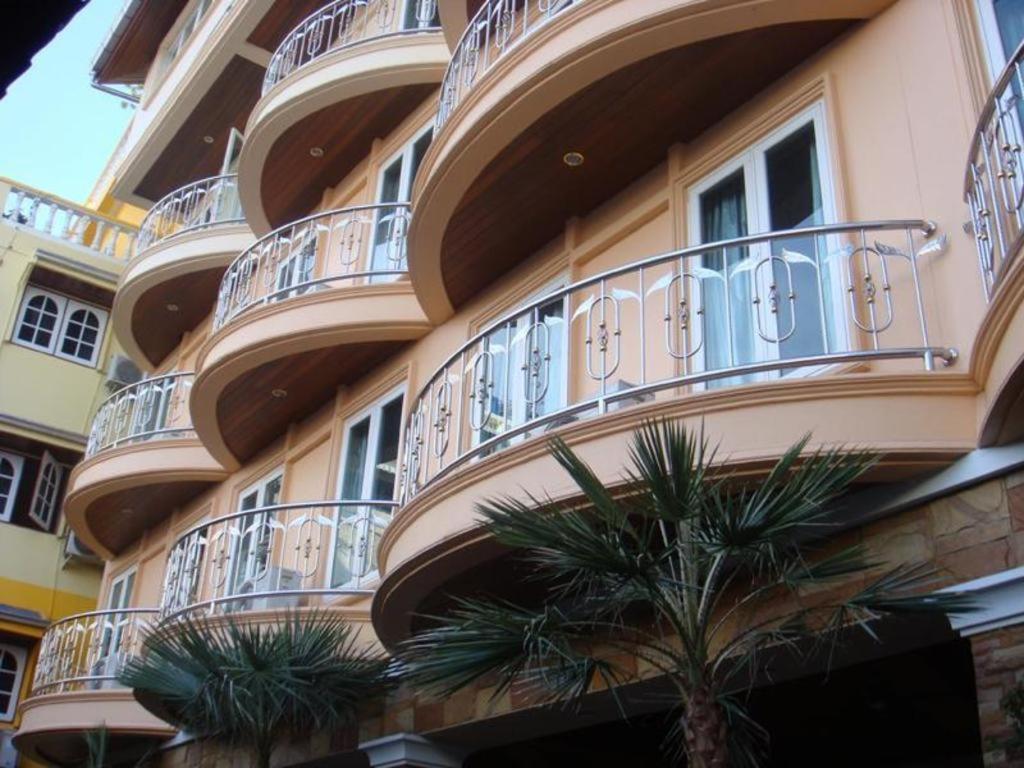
x: 121, y: 372
x: 8, y: 754
x: 274, y: 579
x: 74, y: 548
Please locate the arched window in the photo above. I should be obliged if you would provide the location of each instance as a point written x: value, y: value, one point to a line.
x: 45, y: 498
x: 12, y: 667
x: 10, y: 474
x: 40, y: 314
x: 81, y: 335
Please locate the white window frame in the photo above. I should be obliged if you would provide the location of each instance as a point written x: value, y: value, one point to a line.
x: 66, y: 306
x: 239, y: 572
x: 363, y: 517
x: 109, y: 643
x: 995, y: 56
x: 235, y: 139
x: 405, y: 12
x: 7, y: 716
x: 50, y: 505
x: 18, y: 462
x: 752, y: 162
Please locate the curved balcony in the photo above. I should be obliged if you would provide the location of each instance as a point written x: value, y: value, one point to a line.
x: 820, y: 330
x: 142, y: 460
x: 75, y: 688
x: 185, y: 242
x: 275, y: 558
x: 346, y: 75
x: 529, y: 80
x: 994, y: 193
x: 310, y: 306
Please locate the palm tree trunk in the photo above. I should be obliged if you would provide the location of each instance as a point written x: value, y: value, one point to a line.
x: 706, y: 731
x: 263, y: 753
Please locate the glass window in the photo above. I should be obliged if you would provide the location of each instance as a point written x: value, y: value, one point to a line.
x: 45, y: 498
x: 1002, y: 22
x: 40, y: 314
x: 61, y: 326
x: 395, y: 186
x: 80, y: 338
x: 115, y: 625
x: 250, y: 559
x: 10, y: 474
x: 12, y: 667
x: 421, y: 14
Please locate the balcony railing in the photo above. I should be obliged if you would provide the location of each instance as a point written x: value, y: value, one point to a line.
x: 494, y: 30
x: 275, y: 557
x: 201, y: 204
x: 786, y: 303
x: 364, y: 243
x: 994, y: 185
x: 88, y: 651
x: 152, y: 409
x: 344, y: 23
x: 66, y: 221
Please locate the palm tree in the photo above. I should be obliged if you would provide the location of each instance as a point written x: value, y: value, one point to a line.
x: 700, y: 555
x: 249, y: 685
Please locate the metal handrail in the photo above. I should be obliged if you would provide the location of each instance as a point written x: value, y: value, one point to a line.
x: 728, y: 310
x: 150, y: 409
x: 994, y: 179
x: 308, y: 254
x: 281, y: 553
x: 342, y: 24
x: 88, y: 650
x: 203, y: 203
x: 495, y: 29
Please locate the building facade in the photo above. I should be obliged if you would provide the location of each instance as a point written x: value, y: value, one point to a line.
x: 58, y: 272
x: 392, y: 248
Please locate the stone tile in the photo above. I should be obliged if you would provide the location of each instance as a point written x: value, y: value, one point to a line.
x: 978, y: 561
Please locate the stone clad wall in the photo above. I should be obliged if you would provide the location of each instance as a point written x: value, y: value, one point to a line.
x: 998, y: 668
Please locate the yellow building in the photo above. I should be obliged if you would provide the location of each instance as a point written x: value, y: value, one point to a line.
x: 393, y: 247
x: 59, y: 265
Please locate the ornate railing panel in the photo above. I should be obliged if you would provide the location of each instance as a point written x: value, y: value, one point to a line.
x: 344, y: 23
x: 87, y: 651
x: 724, y: 313
x: 67, y: 221
x: 151, y: 409
x: 274, y: 557
x: 994, y: 184
x: 343, y: 247
x: 203, y: 203
x: 493, y: 31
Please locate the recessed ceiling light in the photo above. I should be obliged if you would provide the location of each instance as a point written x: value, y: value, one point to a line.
x: 316, y: 151
x: 208, y: 139
x: 573, y: 159
x: 278, y: 393
x: 172, y: 307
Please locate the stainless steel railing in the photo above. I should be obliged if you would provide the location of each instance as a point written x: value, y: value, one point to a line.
x: 994, y: 182
x: 89, y: 650
x: 344, y: 23
x: 495, y: 29
x: 275, y: 557
x: 730, y: 312
x: 151, y: 409
x: 203, y: 203
x: 364, y: 243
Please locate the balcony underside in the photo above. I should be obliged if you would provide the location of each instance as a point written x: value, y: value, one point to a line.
x: 54, y: 726
x: 998, y: 360
x: 115, y: 496
x: 169, y: 289
x: 559, y: 91
x: 279, y: 363
x: 339, y: 104
x: 436, y: 536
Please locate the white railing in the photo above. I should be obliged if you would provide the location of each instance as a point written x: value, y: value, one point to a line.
x: 204, y: 203
x: 725, y: 313
x: 275, y: 557
x: 363, y: 243
x: 493, y: 31
x: 344, y: 23
x: 151, y: 409
x: 994, y: 184
x: 66, y: 221
x: 88, y: 651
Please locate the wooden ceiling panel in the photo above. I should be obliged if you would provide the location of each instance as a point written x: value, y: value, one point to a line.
x: 135, y: 41
x: 293, y: 180
x: 188, y: 156
x: 158, y: 330
x: 684, y: 91
x: 249, y: 415
x: 119, y: 519
x: 282, y: 18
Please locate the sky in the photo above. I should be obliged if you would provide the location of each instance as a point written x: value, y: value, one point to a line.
x: 56, y: 130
